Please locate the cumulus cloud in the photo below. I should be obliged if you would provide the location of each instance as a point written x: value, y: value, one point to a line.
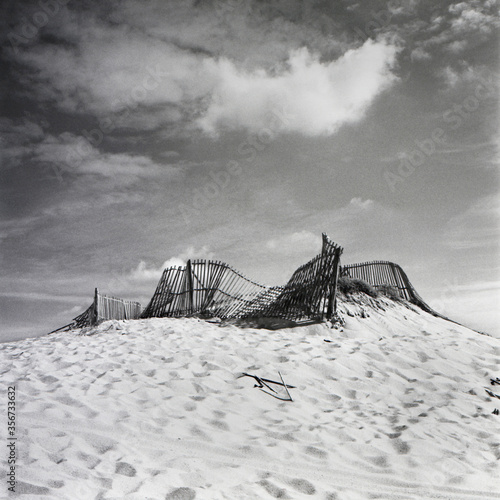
x: 318, y: 96
x: 477, y: 16
x: 143, y: 272
x: 135, y: 80
x: 465, y: 25
x: 360, y: 204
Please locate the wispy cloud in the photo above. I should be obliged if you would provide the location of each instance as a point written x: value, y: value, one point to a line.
x: 477, y: 227
x: 68, y: 155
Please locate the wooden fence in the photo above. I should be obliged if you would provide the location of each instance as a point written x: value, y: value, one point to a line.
x: 212, y: 288
x: 105, y: 307
x: 379, y: 273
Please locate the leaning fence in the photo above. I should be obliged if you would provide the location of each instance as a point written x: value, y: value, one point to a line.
x: 105, y: 307
x: 380, y: 273
x: 212, y: 288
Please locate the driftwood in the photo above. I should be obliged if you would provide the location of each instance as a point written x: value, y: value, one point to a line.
x: 264, y: 382
x: 492, y: 394
x: 261, y: 380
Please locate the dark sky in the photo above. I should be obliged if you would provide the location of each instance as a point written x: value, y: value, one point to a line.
x: 135, y: 135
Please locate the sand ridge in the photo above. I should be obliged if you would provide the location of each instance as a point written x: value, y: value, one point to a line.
x: 394, y: 406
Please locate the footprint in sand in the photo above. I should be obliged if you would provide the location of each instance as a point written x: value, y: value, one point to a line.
x: 219, y: 424
x: 273, y: 490
x: 316, y: 452
x: 31, y: 489
x: 101, y: 444
x: 303, y: 486
x: 181, y: 494
x: 125, y: 469
x: 402, y: 447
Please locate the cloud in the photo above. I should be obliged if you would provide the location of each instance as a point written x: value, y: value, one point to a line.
x: 17, y: 227
x: 144, y: 273
x: 463, y: 26
x: 359, y: 204
x: 146, y: 79
x: 473, y: 16
x: 475, y: 304
x: 318, y: 97
x: 112, y: 70
x: 302, y: 242
x: 67, y: 154
x: 477, y: 227
x: 46, y: 297
x: 419, y: 54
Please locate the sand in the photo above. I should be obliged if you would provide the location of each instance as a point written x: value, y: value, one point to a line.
x: 393, y: 407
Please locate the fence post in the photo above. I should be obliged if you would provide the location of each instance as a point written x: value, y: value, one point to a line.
x: 189, y: 277
x: 332, y: 306
x: 95, y: 319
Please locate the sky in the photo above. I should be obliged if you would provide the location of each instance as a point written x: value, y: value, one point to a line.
x: 138, y: 134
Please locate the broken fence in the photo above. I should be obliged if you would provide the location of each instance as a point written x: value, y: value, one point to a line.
x: 380, y: 273
x: 105, y: 307
x: 212, y: 288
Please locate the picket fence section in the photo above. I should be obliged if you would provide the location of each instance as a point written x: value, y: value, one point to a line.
x: 209, y: 288
x: 103, y: 308
x: 379, y: 273
x: 212, y: 288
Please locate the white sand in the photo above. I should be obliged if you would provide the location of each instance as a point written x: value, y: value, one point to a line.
x: 393, y: 408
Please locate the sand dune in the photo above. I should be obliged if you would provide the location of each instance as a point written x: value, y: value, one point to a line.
x: 393, y: 406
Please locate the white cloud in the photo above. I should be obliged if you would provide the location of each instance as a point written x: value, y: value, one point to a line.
x: 359, y: 204
x: 465, y: 74
x: 302, y: 242
x: 467, y: 24
x: 319, y: 97
x: 144, y: 273
x: 457, y: 46
x: 472, y: 16
x: 419, y: 54
x: 134, y: 80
